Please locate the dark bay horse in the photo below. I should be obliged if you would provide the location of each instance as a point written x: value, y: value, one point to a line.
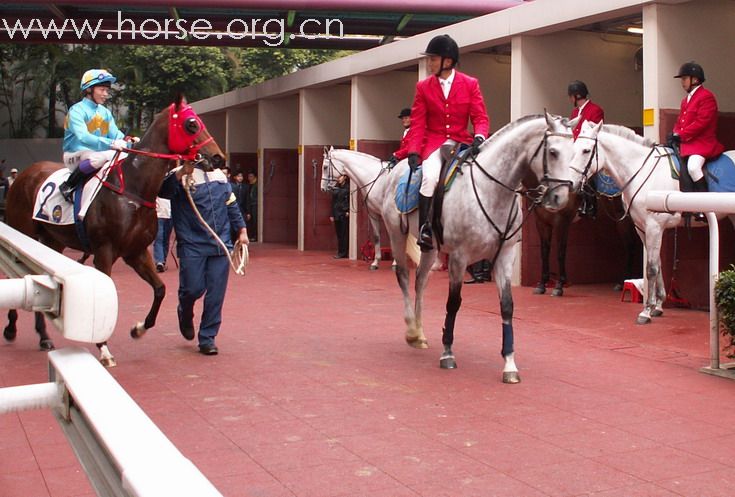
x: 121, y: 221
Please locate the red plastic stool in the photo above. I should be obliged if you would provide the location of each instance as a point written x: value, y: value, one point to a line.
x: 635, y: 295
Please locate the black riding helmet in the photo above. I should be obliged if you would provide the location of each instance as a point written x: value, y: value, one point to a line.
x: 691, y: 69
x: 577, y: 89
x: 445, y: 47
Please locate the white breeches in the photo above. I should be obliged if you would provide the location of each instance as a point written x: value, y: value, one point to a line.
x: 694, y: 165
x: 97, y: 159
x: 431, y: 168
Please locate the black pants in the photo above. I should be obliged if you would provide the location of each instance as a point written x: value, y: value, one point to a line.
x: 341, y: 227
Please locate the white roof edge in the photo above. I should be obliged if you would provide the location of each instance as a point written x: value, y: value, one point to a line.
x: 537, y: 17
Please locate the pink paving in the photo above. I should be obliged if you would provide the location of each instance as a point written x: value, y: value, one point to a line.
x: 315, y: 394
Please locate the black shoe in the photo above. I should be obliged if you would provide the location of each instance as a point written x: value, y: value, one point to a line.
x: 426, y: 237
x: 208, y: 349
x: 186, y: 326
x: 339, y: 256
x: 473, y: 281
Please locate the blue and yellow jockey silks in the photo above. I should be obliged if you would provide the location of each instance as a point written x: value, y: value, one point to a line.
x: 89, y: 126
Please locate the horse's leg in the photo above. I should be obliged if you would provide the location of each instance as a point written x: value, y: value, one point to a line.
x: 143, y: 264
x: 11, y: 330
x: 544, y: 232
x: 660, y: 295
x: 454, y: 301
x: 654, y: 234
x: 413, y: 337
x: 422, y: 278
x: 562, y: 235
x: 45, y: 342
x: 375, y: 228
x: 103, y: 259
x: 502, y: 273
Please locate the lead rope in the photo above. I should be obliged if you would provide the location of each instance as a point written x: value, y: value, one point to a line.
x: 240, y: 256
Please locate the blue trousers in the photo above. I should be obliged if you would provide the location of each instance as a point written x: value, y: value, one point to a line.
x: 160, y: 245
x: 203, y: 276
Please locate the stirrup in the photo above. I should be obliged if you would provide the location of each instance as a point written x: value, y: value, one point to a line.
x: 66, y: 192
x: 426, y: 239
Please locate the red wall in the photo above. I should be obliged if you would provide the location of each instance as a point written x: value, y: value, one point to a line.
x: 318, y: 231
x: 280, y: 195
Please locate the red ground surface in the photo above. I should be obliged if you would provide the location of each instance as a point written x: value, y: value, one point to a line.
x: 315, y: 394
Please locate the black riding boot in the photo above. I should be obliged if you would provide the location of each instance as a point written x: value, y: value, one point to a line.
x: 426, y: 236
x: 67, y: 187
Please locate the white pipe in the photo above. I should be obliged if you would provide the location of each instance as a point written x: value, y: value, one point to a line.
x: 714, y: 263
x: 22, y: 398
x: 31, y: 293
x: 667, y: 201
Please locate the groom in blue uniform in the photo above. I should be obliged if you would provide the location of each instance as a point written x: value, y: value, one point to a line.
x: 204, y: 266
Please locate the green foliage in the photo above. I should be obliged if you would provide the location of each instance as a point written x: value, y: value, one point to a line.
x: 725, y: 301
x: 38, y: 83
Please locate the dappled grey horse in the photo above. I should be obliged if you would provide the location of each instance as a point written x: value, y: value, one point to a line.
x: 638, y: 166
x: 481, y: 220
x: 368, y: 174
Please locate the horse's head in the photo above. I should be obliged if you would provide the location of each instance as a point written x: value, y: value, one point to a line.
x: 555, y: 176
x: 585, y: 161
x: 331, y: 170
x: 188, y: 136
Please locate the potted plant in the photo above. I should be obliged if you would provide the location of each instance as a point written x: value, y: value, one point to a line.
x: 725, y: 301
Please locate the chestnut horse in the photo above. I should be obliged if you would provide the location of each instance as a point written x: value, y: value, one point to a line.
x: 121, y: 221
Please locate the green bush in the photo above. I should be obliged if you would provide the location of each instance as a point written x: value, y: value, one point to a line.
x: 725, y: 301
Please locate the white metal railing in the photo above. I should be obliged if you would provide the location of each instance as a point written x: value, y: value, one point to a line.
x: 123, y: 452
x: 709, y: 203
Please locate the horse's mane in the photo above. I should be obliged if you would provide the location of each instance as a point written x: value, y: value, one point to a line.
x: 628, y: 134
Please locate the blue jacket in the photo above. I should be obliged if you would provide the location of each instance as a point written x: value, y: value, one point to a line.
x: 215, y: 202
x: 89, y: 126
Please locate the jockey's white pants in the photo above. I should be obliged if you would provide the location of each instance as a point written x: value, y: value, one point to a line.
x: 96, y: 159
x: 431, y: 168
x: 694, y: 166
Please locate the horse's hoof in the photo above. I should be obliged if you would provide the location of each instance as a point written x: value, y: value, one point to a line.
x: 393, y: 268
x: 108, y: 362
x: 137, y: 331
x: 642, y: 320
x: 618, y: 288
x: 557, y: 292
x: 511, y: 377
x: 448, y: 362
x: 657, y: 313
x: 46, y: 345
x: 373, y: 268
x: 539, y: 290
x: 10, y: 333
x: 417, y: 343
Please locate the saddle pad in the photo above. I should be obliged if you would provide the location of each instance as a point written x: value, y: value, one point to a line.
x: 605, y: 185
x: 51, y: 207
x: 720, y: 172
x: 454, y: 165
x: 407, y: 199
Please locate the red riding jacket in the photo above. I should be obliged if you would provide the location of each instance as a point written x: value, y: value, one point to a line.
x: 590, y: 112
x: 697, y: 125
x: 435, y: 119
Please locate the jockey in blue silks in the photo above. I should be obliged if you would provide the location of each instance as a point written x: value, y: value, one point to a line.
x: 91, y: 137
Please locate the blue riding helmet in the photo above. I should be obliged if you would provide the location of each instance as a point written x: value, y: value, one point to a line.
x: 95, y: 77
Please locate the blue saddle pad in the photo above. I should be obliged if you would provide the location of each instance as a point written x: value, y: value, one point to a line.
x: 720, y: 172
x: 605, y: 185
x: 408, y: 199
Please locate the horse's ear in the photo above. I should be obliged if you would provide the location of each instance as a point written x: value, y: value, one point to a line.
x: 551, y: 120
x: 572, y: 123
x: 180, y: 101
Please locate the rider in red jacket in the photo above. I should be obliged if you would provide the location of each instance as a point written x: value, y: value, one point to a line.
x: 443, y: 105
x: 696, y: 128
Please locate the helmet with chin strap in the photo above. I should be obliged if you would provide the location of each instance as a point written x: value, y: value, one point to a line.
x: 95, y: 77
x: 691, y: 69
x: 577, y: 89
x: 445, y: 47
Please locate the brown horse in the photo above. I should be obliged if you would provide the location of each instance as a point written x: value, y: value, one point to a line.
x: 560, y: 222
x: 121, y: 221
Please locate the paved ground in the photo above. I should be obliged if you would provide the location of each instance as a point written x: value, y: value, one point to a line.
x: 315, y: 394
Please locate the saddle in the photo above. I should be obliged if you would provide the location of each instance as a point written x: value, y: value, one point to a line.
x: 719, y: 172
x: 453, y: 156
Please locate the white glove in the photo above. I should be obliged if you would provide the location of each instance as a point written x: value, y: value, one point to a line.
x: 132, y: 139
x: 119, y: 145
